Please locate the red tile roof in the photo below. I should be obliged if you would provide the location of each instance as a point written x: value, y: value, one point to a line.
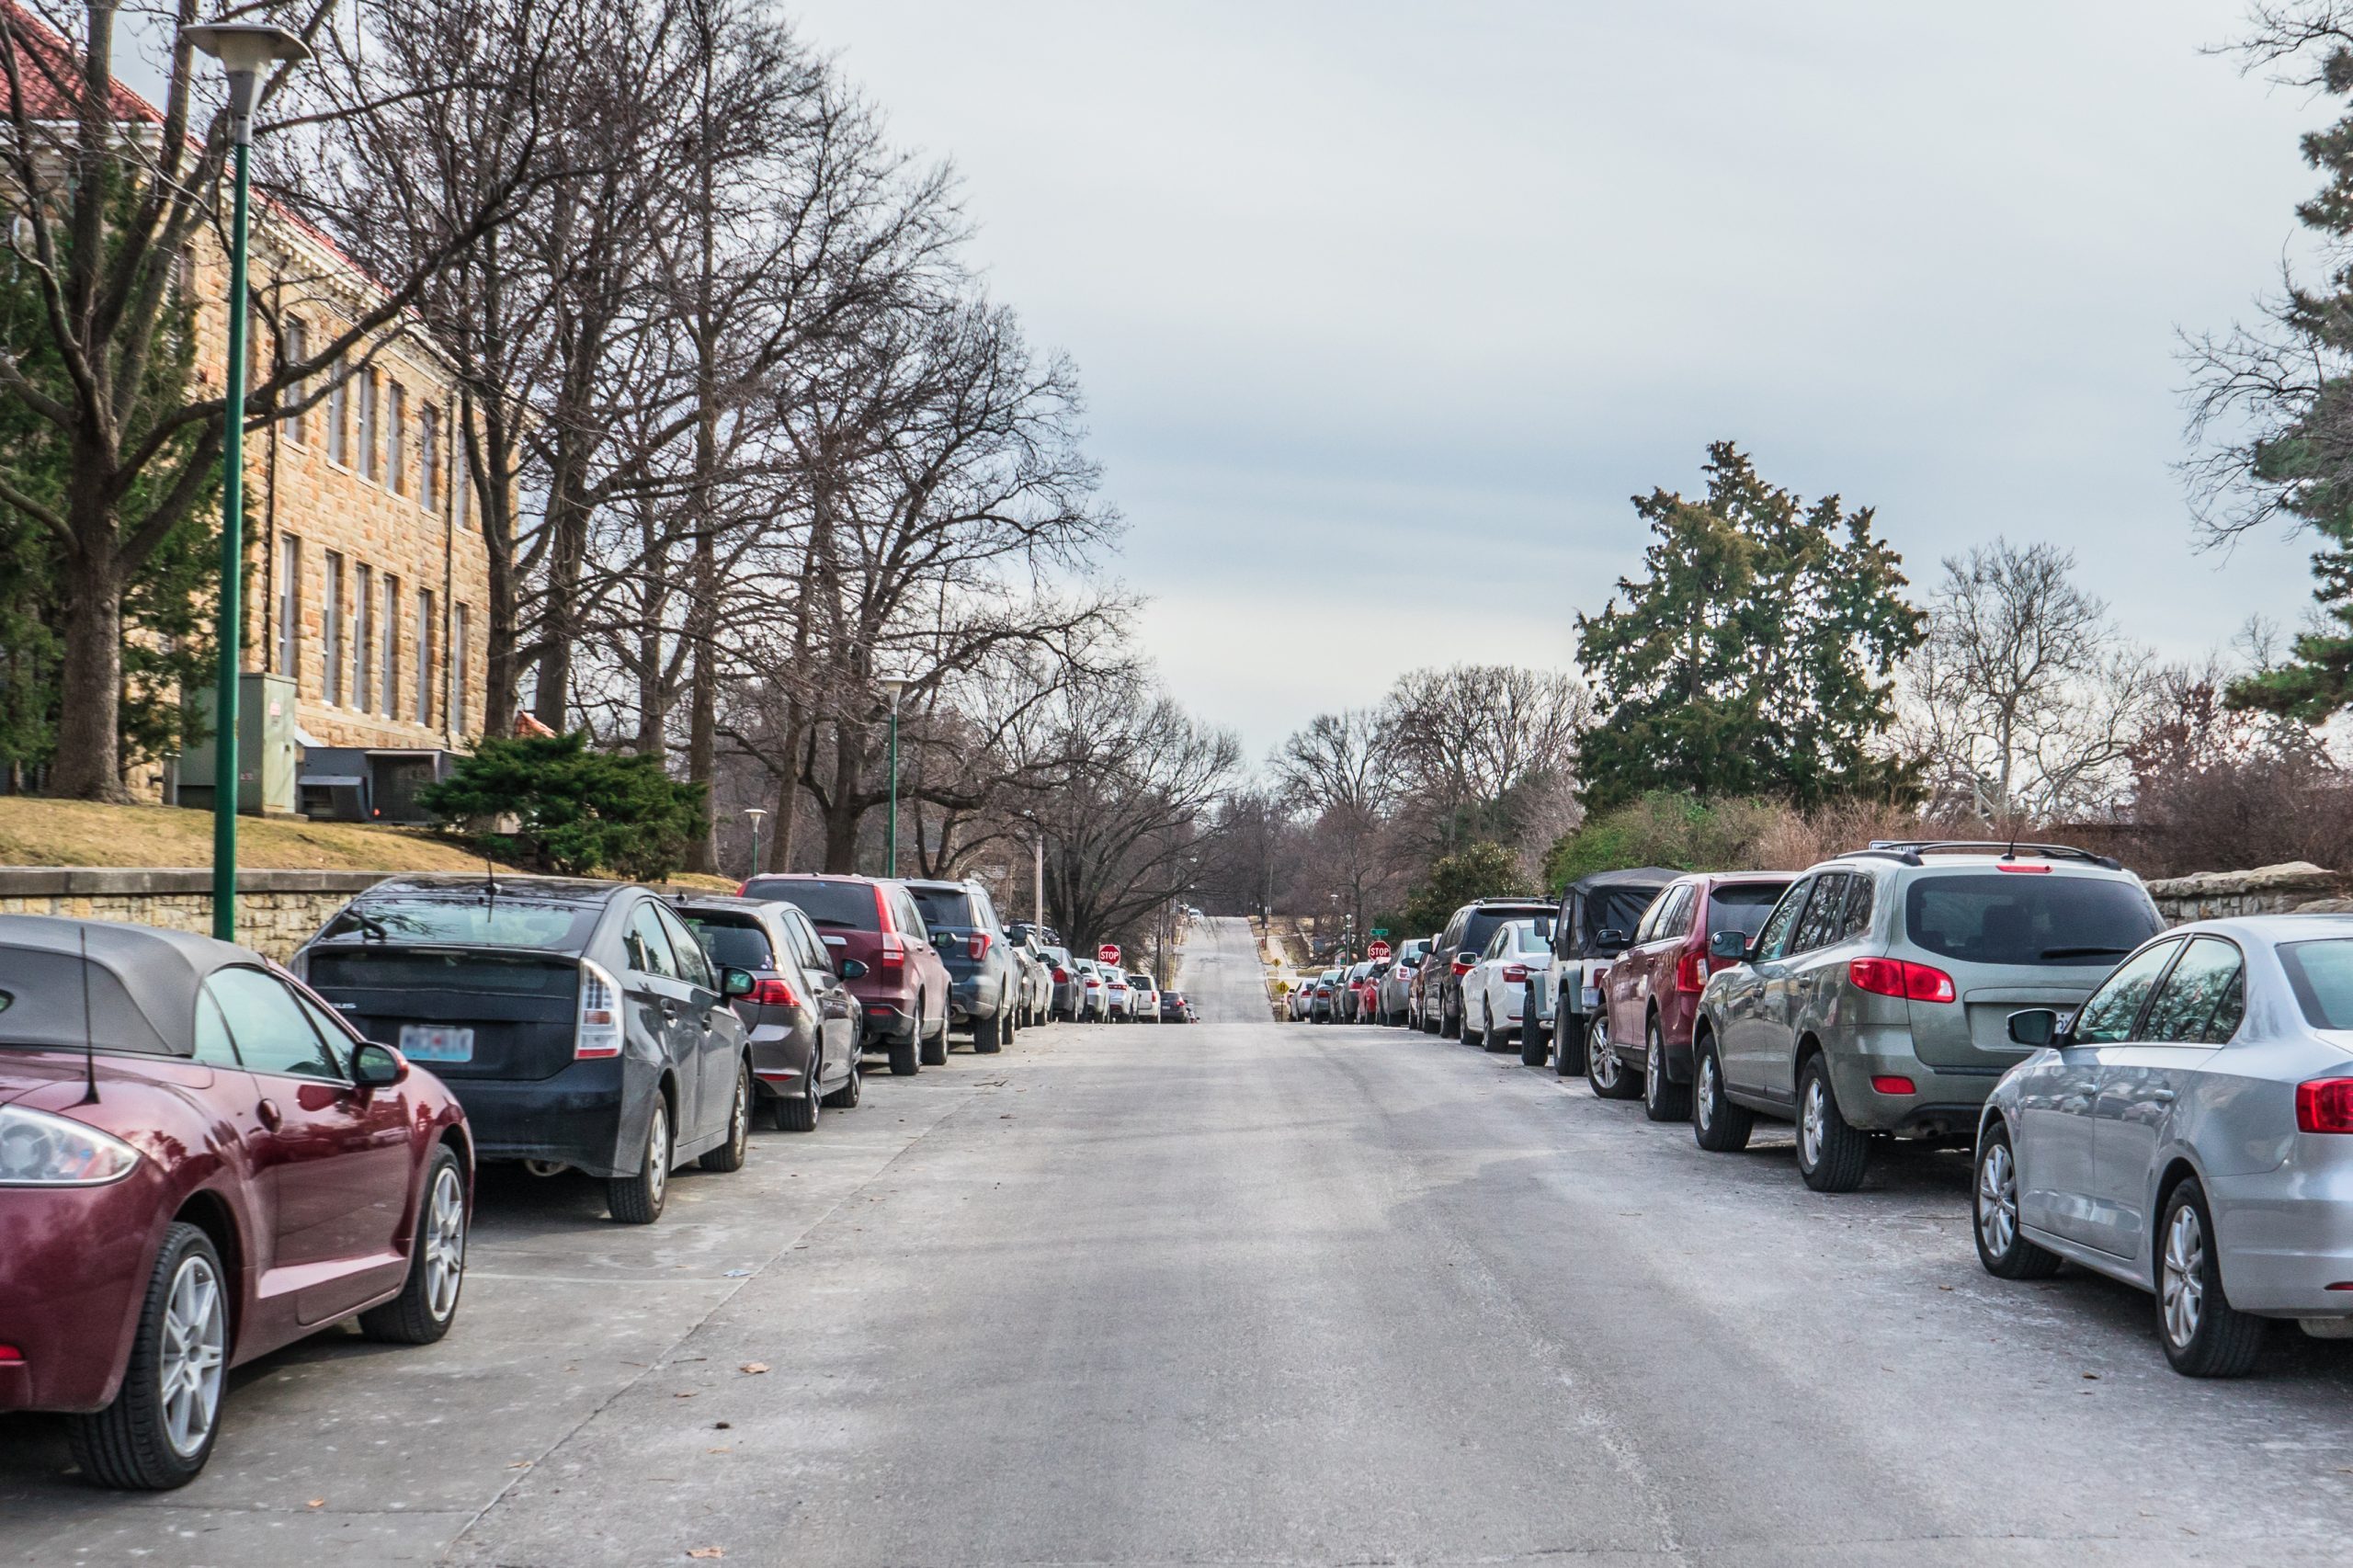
x: 48, y: 74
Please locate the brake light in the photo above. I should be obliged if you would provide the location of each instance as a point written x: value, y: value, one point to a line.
x: 979, y: 944
x: 1061, y: 977
x: 2005, y: 866
x: 1515, y: 974
x: 598, y: 1030
x: 2324, y: 1105
x: 1891, y: 1084
x: 893, y: 954
x: 1691, y: 973
x: 1460, y: 968
x: 742, y: 889
x: 778, y: 992
x: 1896, y: 977
x: 11, y: 1356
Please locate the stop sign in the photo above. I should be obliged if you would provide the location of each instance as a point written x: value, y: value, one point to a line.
x: 1376, y: 950
x: 1107, y: 953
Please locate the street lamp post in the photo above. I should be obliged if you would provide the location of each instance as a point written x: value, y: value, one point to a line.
x: 893, y: 688
x: 756, y: 813
x: 245, y: 50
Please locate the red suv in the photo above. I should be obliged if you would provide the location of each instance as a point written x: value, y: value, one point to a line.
x: 903, y: 996
x: 1650, y: 995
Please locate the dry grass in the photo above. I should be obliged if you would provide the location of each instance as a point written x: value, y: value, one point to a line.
x: 81, y: 832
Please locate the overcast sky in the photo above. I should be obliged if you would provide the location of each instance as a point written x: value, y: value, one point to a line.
x: 1385, y: 310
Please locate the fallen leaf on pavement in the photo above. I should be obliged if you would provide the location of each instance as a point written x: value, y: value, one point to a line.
x: 708, y: 1551
x: 316, y: 1502
x: 754, y: 1368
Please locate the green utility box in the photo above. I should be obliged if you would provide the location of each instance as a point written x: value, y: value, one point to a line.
x: 270, y: 758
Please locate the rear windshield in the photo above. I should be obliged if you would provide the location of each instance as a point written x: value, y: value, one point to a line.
x: 2321, y: 972
x: 1482, y: 923
x: 845, y: 907
x: 40, y: 1003
x: 472, y: 975
x: 2000, y: 918
x: 944, y: 906
x: 472, y: 922
x: 1743, y: 908
x: 739, y: 943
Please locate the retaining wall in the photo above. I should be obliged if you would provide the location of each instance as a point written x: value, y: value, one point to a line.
x: 276, y: 911
x: 2299, y: 886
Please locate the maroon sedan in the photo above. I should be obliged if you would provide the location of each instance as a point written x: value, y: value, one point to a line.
x: 902, y: 996
x: 1650, y: 995
x: 199, y: 1164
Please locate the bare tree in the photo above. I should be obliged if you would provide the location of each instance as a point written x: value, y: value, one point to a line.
x: 1487, y: 750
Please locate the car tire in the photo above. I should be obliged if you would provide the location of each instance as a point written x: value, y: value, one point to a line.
x: 1833, y: 1157
x: 1720, y: 1126
x: 988, y: 1035
x: 730, y: 1156
x: 2204, y: 1335
x: 797, y: 1112
x: 1450, y: 1023
x: 130, y: 1445
x: 935, y: 1049
x: 853, y: 1089
x: 1993, y: 1212
x: 1569, y: 1058
x: 1604, y: 1074
x: 1663, y: 1099
x: 1534, y: 1047
x: 638, y: 1199
x: 902, y: 1053
x: 428, y: 1303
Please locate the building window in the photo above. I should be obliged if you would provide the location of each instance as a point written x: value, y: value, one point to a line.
x: 429, y: 458
x: 298, y: 424
x: 367, y: 424
x: 458, y: 649
x: 396, y: 436
x: 330, y: 627
x: 363, y: 641
x: 339, y: 416
x: 290, y: 607
x: 461, y: 488
x: 391, y: 708
x: 425, y: 655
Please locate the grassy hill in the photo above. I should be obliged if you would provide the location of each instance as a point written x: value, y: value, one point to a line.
x: 81, y: 832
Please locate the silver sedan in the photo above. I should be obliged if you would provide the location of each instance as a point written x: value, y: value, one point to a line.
x: 2189, y: 1131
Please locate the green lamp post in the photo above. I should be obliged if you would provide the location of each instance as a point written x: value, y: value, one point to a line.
x: 893, y: 686
x: 244, y: 49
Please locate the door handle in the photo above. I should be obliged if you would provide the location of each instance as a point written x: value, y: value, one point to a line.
x: 271, y: 1117
x: 2162, y: 1097
x: 669, y: 1008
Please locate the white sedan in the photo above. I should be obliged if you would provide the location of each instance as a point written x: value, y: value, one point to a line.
x: 1515, y: 968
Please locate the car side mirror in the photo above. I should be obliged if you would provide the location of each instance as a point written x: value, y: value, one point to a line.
x: 1612, y: 937
x: 853, y: 969
x: 2036, y: 1026
x: 1732, y: 945
x: 735, y: 983
x: 376, y: 1066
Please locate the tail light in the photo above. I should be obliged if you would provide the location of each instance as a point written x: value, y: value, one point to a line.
x: 1691, y: 973
x: 11, y: 1356
x: 1515, y: 974
x: 979, y: 944
x: 2005, y: 866
x: 2324, y: 1105
x: 1061, y: 977
x: 1891, y: 1084
x: 778, y: 992
x: 742, y: 889
x: 893, y: 954
x: 598, y: 1030
x: 1898, y: 977
x: 1461, y: 969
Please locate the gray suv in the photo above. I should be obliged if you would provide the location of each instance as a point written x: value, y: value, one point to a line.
x: 983, y: 976
x: 1875, y: 1001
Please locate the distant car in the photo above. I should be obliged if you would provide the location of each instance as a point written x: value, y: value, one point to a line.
x: 1458, y: 946
x: 201, y: 1162
x: 1593, y: 923
x: 1650, y: 994
x: 1118, y: 995
x: 1495, y: 991
x: 1174, y: 1008
x: 1325, y: 999
x: 1395, y: 1001
x: 1349, y: 997
x: 1063, y: 982
x: 1875, y: 1001
x: 580, y: 1023
x: 1145, y: 997
x: 984, y: 978
x: 1093, y: 997
x: 1037, y: 980
x: 803, y: 1017
x: 2190, y: 1131
x: 903, y: 995
x: 1296, y: 1000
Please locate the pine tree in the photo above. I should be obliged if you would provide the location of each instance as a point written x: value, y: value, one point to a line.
x: 1755, y: 657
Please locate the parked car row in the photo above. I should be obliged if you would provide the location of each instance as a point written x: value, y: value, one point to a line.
x: 2173, y: 1109
x: 204, y: 1155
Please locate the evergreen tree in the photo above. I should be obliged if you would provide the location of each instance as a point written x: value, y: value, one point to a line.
x: 1755, y: 656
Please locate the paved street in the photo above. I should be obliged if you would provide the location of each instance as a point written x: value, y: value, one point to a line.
x: 1235, y: 1293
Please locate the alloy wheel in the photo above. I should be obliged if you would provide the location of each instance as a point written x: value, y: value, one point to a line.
x: 1809, y: 1119
x: 1653, y: 1067
x: 2184, y: 1288
x: 657, y: 1153
x: 1704, y: 1106
x: 1606, y: 1066
x: 195, y: 1354
x: 1997, y: 1200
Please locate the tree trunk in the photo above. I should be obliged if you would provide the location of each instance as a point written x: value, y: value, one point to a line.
x: 88, y: 766
x: 848, y: 808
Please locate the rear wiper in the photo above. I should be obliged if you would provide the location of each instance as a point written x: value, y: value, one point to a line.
x: 2083, y: 952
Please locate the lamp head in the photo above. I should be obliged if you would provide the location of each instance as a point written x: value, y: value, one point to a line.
x: 893, y: 686
x: 244, y: 49
x: 756, y: 813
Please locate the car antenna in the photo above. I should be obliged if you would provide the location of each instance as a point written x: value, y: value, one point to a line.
x: 89, y: 1038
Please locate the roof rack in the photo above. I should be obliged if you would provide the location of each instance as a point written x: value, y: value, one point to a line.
x: 1909, y: 850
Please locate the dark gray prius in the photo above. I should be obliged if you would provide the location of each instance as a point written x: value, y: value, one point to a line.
x: 578, y: 1022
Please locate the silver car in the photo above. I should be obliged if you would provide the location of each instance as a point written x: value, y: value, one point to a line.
x: 2189, y: 1131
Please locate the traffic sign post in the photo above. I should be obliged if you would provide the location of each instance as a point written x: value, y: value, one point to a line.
x: 1376, y: 949
x: 1107, y: 953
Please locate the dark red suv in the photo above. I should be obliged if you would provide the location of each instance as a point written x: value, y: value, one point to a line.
x: 902, y: 996
x: 1650, y: 995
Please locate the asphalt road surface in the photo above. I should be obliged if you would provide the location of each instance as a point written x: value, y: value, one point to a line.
x: 1244, y: 1292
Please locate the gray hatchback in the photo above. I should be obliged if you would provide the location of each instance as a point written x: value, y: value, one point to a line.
x: 1875, y: 1001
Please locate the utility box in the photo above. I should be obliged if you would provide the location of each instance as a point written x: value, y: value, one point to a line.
x: 269, y: 757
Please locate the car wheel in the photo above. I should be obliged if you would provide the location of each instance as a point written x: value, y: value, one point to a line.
x: 1605, y: 1074
x: 730, y: 1156
x: 159, y: 1430
x: 428, y: 1303
x: 1534, y: 1045
x: 1722, y: 1127
x: 797, y: 1112
x: 2204, y: 1335
x: 935, y: 1049
x: 1449, y: 1022
x: 1832, y: 1156
x: 853, y: 1089
x: 902, y: 1053
x: 637, y: 1200
x: 2005, y: 1252
x: 1663, y: 1099
x: 1570, y: 1059
x: 988, y: 1035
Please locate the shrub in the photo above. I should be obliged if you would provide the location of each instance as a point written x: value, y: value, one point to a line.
x: 1480, y: 870
x: 578, y: 811
x: 1688, y: 834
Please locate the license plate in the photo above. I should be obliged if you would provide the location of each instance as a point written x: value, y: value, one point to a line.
x: 423, y: 1042
x: 1591, y: 997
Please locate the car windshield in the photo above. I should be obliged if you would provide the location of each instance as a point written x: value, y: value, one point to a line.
x: 847, y: 906
x: 944, y: 906
x: 2322, y: 975
x: 2018, y: 918
x: 1481, y: 927
x: 737, y: 941
x: 1743, y: 907
x: 476, y: 920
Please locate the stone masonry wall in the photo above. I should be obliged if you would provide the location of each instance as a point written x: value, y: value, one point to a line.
x: 2296, y: 887
x: 276, y: 911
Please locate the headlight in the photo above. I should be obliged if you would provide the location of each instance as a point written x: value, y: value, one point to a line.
x: 41, y: 1149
